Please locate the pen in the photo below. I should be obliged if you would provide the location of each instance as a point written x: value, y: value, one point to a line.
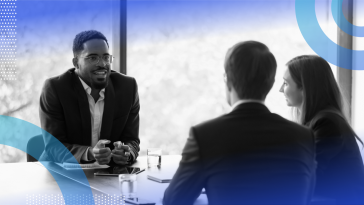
x: 139, y: 171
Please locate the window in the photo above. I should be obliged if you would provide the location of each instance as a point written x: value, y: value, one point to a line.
x: 176, y: 51
x: 45, y: 32
x: 358, y: 75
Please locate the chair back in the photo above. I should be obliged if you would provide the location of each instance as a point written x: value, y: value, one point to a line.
x: 35, y: 148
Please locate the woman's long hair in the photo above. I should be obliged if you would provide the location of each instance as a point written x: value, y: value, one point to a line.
x: 314, y: 76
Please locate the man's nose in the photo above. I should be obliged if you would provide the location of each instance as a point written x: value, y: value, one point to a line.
x: 102, y: 63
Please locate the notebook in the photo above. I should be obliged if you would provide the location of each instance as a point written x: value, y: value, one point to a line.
x: 160, y: 177
x: 70, y: 166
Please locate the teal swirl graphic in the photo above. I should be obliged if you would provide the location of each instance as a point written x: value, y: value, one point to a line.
x: 12, y: 128
x: 312, y: 33
x: 346, y: 26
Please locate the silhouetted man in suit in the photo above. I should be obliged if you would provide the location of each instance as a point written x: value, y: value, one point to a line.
x: 250, y: 155
x: 89, y: 107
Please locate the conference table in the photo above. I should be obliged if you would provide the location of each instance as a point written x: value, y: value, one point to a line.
x: 32, y: 183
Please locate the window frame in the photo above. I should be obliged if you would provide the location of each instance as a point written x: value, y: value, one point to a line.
x: 119, y: 32
x: 345, y: 75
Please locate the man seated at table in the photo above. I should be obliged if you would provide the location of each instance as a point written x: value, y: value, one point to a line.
x: 90, y: 106
x: 250, y: 155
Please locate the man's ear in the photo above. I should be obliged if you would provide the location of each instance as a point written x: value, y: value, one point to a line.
x: 75, y: 63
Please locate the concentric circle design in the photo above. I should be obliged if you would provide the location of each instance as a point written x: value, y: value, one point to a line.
x: 315, y: 38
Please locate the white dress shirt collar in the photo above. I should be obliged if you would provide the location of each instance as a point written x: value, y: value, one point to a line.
x: 88, y: 89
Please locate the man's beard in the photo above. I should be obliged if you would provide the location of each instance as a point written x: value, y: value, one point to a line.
x: 100, y: 85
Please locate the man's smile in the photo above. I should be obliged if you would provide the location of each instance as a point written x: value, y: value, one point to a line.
x: 101, y: 73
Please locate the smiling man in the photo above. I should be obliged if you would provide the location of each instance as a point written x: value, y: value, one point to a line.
x: 92, y: 110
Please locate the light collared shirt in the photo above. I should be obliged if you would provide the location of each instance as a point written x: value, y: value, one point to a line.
x: 245, y: 101
x: 96, y: 111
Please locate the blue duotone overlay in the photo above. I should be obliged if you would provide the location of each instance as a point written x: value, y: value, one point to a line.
x: 345, y: 25
x: 184, y: 19
x: 54, y: 23
x: 13, y: 128
x: 315, y: 37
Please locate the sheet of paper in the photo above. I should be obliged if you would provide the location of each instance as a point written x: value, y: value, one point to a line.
x: 70, y: 166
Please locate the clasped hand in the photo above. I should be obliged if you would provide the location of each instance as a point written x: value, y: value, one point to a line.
x: 103, y: 155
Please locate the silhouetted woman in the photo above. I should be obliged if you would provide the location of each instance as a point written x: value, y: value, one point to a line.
x: 310, y: 88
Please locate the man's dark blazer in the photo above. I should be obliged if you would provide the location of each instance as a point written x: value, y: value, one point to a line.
x: 248, y: 156
x: 340, y: 170
x: 65, y: 113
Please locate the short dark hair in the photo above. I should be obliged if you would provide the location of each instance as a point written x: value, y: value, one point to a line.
x: 250, y: 69
x: 86, y: 36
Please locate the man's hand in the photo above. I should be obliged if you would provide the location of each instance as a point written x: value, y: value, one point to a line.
x: 121, y: 153
x: 102, y: 154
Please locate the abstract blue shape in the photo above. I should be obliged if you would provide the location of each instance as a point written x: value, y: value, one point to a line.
x: 12, y: 128
x: 315, y: 38
x: 345, y: 25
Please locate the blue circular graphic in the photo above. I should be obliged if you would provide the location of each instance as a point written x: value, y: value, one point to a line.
x: 316, y: 38
x: 345, y: 25
x: 13, y: 132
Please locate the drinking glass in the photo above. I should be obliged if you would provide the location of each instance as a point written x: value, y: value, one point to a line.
x: 154, y: 157
x: 128, y: 185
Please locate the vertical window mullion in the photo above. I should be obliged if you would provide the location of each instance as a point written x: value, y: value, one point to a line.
x: 119, y: 35
x: 344, y: 76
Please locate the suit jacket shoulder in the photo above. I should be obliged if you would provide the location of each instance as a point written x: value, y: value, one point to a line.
x: 242, y: 156
x: 255, y: 116
x: 252, y: 129
x: 331, y: 124
x: 65, y: 113
x: 340, y: 171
